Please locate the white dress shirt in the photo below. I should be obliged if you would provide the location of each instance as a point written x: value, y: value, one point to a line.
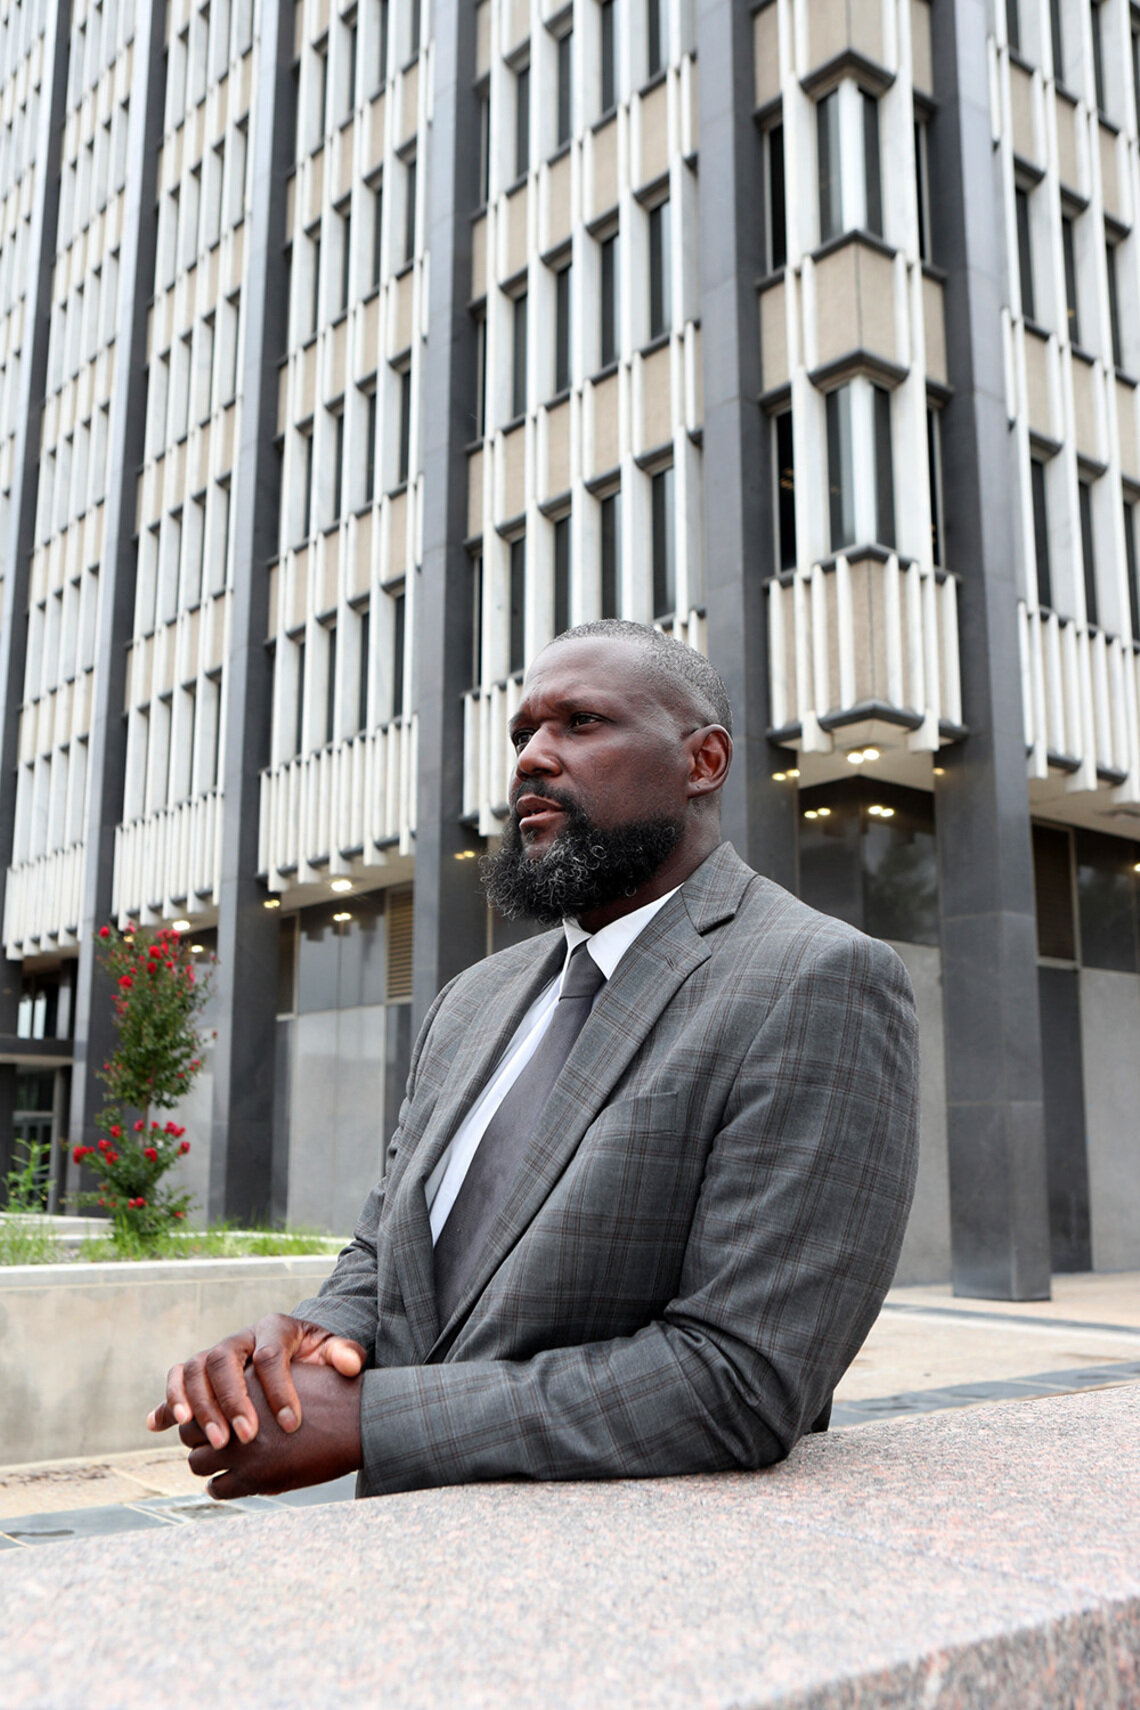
x: 607, y: 947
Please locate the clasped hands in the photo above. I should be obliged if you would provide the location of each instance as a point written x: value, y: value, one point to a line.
x: 271, y: 1408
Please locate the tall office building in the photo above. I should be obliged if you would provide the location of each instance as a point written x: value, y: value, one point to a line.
x: 349, y: 351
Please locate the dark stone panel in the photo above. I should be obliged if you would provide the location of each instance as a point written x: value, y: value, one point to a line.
x: 1066, y: 1141
x: 95, y: 1036
x: 397, y: 1060
x: 244, y: 1177
x: 759, y: 816
x: 282, y: 1112
x: 17, y: 548
x: 7, y: 1111
x: 999, y: 1206
x: 450, y: 929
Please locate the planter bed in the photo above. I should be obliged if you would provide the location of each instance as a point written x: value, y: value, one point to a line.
x: 85, y: 1348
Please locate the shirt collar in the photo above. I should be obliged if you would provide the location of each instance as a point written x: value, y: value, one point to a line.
x: 609, y: 944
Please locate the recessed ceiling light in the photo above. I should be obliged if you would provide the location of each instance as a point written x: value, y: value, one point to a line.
x: 272, y: 902
x: 181, y: 925
x: 196, y: 949
x: 342, y: 914
x: 855, y: 758
x: 341, y: 885
x: 779, y: 777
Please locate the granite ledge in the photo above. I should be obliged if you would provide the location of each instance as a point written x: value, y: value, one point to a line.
x: 988, y: 1558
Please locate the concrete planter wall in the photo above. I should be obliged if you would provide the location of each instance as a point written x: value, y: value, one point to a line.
x: 84, y: 1349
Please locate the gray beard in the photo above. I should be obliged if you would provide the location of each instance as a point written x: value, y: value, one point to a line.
x: 585, y: 867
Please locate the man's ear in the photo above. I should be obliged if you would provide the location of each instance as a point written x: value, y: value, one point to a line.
x: 710, y: 755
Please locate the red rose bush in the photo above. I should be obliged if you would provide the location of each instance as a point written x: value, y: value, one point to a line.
x: 158, y: 998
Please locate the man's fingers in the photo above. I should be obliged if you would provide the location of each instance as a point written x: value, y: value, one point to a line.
x: 346, y: 1356
x: 193, y: 1436
x: 271, y: 1359
x: 224, y: 1487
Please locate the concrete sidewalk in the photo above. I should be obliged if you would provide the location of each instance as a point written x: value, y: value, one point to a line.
x: 927, y: 1352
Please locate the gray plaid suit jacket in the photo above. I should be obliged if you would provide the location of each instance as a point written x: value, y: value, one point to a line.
x: 711, y: 1213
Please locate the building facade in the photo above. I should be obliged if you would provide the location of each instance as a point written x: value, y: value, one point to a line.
x: 350, y: 351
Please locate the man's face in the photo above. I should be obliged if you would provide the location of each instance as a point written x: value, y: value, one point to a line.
x: 599, y: 797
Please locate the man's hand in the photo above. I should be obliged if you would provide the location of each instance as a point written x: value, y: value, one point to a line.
x: 326, y: 1447
x: 210, y: 1389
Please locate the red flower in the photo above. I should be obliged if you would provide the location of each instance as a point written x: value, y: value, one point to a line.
x: 140, y: 1201
x: 104, y: 932
x: 184, y: 1148
x: 139, y: 1125
x: 170, y: 964
x: 126, y: 982
x: 179, y: 1214
x: 150, y: 1154
x: 116, y: 1131
x: 79, y: 1154
x: 112, y: 1157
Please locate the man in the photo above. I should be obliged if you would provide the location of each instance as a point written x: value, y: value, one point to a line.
x: 655, y: 1248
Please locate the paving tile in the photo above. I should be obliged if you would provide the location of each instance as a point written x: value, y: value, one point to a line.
x: 338, y: 1490
x: 7, y: 1543
x: 81, y: 1523
x: 182, y: 1510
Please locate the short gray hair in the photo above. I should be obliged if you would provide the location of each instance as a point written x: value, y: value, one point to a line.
x: 672, y: 663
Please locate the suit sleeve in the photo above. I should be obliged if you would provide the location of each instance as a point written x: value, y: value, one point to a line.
x: 794, y: 1242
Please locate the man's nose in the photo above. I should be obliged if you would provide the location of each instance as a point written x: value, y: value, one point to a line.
x: 537, y: 755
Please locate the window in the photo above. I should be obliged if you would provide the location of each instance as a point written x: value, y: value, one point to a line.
x: 405, y: 441
x: 1096, y: 11
x: 398, y: 625
x: 480, y: 423
x: 306, y: 450
x: 1135, y: 21
x: 1041, y: 533
x: 934, y: 476
x: 608, y: 56
x: 320, y: 65
x: 314, y: 281
x: 374, y: 274
x: 1012, y: 26
x: 381, y: 43
x: 1107, y: 898
x: 830, y: 188
x: 415, y: 22
x: 299, y: 709
x: 220, y: 524
x: 364, y: 642
x: 785, y: 492
x: 777, y: 207
x: 922, y: 188
x: 610, y: 554
x: 840, y: 474
x: 410, y: 208
x: 657, y: 36
x: 1084, y: 498
x: 345, y: 223
x: 561, y: 575
x: 660, y: 272
x: 1132, y: 567
x: 1057, y: 40
x: 664, y: 552
x: 884, y: 469
x: 518, y: 358
x: 872, y: 177
x: 483, y: 96
x: 330, y: 681
x: 370, y: 445
x: 608, y: 341
x: 350, y: 71
x: 476, y: 609
x: 1024, y: 252
x: 522, y: 121
x: 860, y: 413
x: 1068, y: 245
x: 562, y: 329
x: 1113, y: 305
x: 565, y: 89
x: 517, y: 660
x: 338, y: 464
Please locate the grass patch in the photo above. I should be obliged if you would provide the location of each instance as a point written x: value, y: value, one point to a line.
x: 26, y: 1238
x: 221, y: 1242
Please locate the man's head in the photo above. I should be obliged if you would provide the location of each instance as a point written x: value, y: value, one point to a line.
x: 622, y: 744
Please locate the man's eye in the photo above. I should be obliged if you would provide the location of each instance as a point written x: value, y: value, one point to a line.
x: 579, y: 718
x: 519, y: 739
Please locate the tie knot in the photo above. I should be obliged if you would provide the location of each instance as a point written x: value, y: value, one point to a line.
x: 584, y: 979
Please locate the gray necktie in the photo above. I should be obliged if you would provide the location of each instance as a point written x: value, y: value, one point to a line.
x: 498, y: 1159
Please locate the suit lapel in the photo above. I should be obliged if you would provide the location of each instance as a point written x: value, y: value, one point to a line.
x: 649, y: 975
x: 508, y: 995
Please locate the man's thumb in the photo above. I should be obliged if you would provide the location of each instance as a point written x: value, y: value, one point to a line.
x: 346, y: 1357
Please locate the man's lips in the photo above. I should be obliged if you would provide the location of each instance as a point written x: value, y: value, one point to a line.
x: 535, y: 811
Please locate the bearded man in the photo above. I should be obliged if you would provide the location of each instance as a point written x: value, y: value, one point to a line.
x: 649, y: 1183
